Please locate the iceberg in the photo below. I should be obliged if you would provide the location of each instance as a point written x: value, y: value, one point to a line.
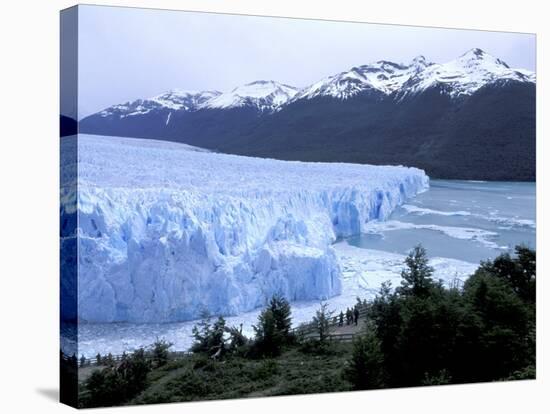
x: 166, y: 231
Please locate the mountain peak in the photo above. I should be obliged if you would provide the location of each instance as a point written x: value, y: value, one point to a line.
x: 264, y: 95
x: 178, y: 99
x: 419, y: 59
x: 478, y: 58
x: 419, y: 63
x: 475, y: 52
x: 478, y: 55
x: 263, y: 88
x: 189, y: 92
x: 179, y: 92
x: 263, y: 82
x: 465, y: 74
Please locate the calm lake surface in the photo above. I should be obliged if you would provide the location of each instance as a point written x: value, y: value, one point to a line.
x: 459, y: 223
x: 463, y: 220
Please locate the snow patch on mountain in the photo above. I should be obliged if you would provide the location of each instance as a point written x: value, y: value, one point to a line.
x: 176, y: 100
x: 262, y: 95
x: 382, y: 76
x: 184, y: 100
x: 466, y: 74
x: 166, y: 231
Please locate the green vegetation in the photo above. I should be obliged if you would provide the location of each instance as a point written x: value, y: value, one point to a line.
x: 366, y: 365
x: 160, y: 352
x: 420, y: 333
x: 273, y: 329
x: 292, y: 372
x: 429, y: 334
x: 117, y: 383
x: 209, y: 338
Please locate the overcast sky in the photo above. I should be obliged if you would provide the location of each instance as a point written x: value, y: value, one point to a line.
x: 131, y: 53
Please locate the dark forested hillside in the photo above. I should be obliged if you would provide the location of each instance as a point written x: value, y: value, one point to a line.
x: 488, y: 135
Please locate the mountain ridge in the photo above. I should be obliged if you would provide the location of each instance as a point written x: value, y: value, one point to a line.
x: 385, y: 76
x: 470, y: 118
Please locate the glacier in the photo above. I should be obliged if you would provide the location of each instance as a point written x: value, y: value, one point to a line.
x: 166, y: 231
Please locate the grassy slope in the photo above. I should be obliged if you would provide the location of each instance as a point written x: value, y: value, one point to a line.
x: 294, y: 372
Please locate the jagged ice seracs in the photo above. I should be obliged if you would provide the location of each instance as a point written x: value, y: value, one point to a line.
x: 165, y: 231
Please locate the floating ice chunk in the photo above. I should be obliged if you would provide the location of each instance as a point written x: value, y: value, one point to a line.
x: 462, y: 233
x: 424, y: 211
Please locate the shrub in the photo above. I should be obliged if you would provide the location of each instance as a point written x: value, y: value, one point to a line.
x: 115, y: 385
x: 160, y: 352
x: 321, y: 321
x: 209, y: 338
x: 366, y: 366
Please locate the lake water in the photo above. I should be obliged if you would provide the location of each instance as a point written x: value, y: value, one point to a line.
x: 463, y: 220
x: 460, y: 223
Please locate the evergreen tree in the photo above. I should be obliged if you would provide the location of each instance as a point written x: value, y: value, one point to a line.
x: 518, y: 272
x: 160, y: 352
x: 321, y: 321
x: 273, y: 330
x: 209, y: 338
x: 385, y: 314
x: 268, y: 340
x: 425, y: 338
x: 366, y: 367
x: 280, y: 308
x: 237, y: 340
x: 503, y: 331
x: 133, y: 373
x: 104, y: 388
x: 218, y: 340
x: 202, y: 333
x: 417, y: 273
x: 116, y: 385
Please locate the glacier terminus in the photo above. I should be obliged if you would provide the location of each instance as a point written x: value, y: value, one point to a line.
x: 166, y: 231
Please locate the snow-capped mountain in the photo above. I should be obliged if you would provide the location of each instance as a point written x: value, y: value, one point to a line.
x: 459, y: 77
x: 262, y: 95
x: 176, y: 99
x: 382, y: 76
x: 466, y: 74
x: 470, y: 118
x: 184, y: 100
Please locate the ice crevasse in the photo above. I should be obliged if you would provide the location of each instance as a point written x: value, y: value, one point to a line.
x: 164, y: 231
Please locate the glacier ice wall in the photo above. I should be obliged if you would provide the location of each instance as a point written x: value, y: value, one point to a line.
x: 166, y: 230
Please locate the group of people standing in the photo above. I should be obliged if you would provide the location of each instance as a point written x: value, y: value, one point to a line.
x: 351, y: 316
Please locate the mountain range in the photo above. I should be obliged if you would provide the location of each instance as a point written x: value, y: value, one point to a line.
x: 470, y: 118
